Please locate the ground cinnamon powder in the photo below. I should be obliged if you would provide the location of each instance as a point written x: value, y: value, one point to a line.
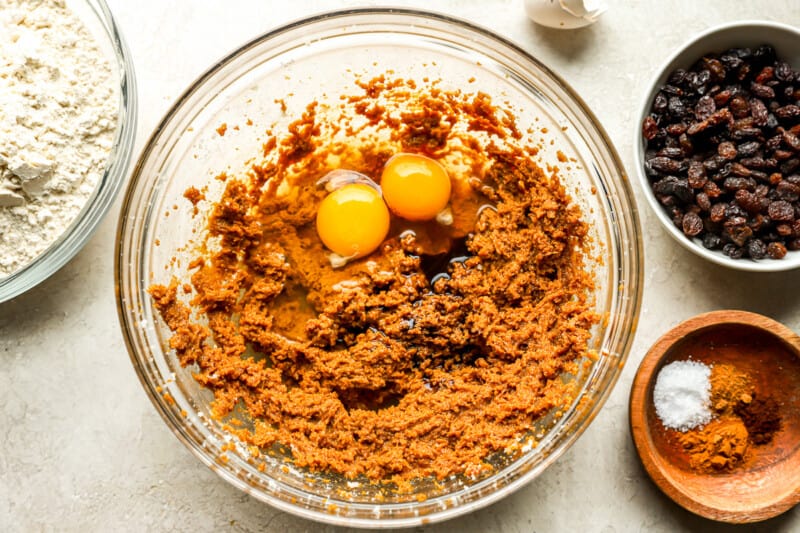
x: 425, y: 358
x: 719, y: 445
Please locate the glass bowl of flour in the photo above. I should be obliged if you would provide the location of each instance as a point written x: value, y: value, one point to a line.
x: 67, y: 125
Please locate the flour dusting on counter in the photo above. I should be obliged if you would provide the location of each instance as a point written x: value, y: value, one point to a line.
x: 58, y: 115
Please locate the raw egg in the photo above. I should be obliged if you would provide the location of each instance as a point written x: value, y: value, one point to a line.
x: 352, y: 221
x: 415, y: 187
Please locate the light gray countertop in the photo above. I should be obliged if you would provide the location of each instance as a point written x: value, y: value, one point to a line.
x: 83, y: 449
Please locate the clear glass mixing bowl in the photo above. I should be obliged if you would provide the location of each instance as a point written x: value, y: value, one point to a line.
x: 98, y: 20
x: 312, y: 59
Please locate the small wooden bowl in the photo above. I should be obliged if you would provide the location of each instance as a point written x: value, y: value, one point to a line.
x: 768, y: 483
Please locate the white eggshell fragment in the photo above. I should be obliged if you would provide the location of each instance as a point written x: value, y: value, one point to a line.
x: 338, y: 178
x: 564, y: 14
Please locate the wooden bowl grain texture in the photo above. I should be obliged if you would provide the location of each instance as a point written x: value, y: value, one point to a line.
x: 768, y: 482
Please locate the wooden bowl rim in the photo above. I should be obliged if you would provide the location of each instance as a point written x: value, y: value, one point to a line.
x: 640, y: 430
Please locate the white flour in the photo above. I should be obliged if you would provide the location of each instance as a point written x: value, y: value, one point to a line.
x: 58, y: 112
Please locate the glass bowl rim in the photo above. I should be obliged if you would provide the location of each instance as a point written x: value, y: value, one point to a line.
x: 77, y: 234
x: 631, y: 302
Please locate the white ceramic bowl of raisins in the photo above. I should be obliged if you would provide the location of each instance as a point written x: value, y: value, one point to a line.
x: 717, y: 146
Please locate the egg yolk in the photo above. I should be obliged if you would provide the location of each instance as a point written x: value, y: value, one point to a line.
x: 353, y: 220
x: 415, y: 187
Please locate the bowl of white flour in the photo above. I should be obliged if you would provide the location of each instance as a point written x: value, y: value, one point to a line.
x: 67, y: 125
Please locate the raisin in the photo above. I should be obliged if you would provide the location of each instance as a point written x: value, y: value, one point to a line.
x: 718, y: 212
x: 676, y: 107
x: 722, y: 97
x: 735, y: 211
x: 764, y: 54
x: 757, y: 222
x: 774, y: 142
x: 727, y: 150
x: 788, y: 191
x: 733, y: 251
x: 751, y: 162
x: 712, y: 189
x: 744, y: 72
x: 704, y: 108
x: 677, y: 77
x: 692, y: 224
x: 759, y: 112
x: 702, y: 201
x: 730, y: 60
x: 696, y: 175
x: 713, y: 163
x: 686, y: 144
x: 700, y: 81
x: 790, y: 165
x: 791, y: 140
x: 766, y: 74
x: 711, y: 241
x: 756, y: 249
x: 739, y: 106
x: 781, y: 210
x: 720, y: 117
x: 742, y: 123
x: 716, y: 68
x: 660, y: 103
x: 649, y: 128
x: 673, y: 152
x: 675, y: 186
x: 744, y: 133
x: 788, y: 111
x: 762, y: 91
x: 772, y: 122
x: 740, y: 170
x: 676, y: 214
x: 738, y: 233
x: 748, y: 201
x: 783, y: 71
x: 664, y: 164
x: 776, y: 250
x: 748, y: 149
x: 676, y: 129
x: 667, y: 200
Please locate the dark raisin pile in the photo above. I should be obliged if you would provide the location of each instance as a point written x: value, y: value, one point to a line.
x: 723, y: 152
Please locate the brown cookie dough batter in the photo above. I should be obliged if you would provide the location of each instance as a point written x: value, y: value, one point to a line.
x: 427, y: 356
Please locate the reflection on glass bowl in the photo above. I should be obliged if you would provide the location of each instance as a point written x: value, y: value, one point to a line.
x: 311, y: 60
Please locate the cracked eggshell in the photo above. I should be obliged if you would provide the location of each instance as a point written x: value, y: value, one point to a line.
x: 564, y: 14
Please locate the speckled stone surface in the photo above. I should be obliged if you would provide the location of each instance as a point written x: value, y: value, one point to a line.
x: 82, y: 448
